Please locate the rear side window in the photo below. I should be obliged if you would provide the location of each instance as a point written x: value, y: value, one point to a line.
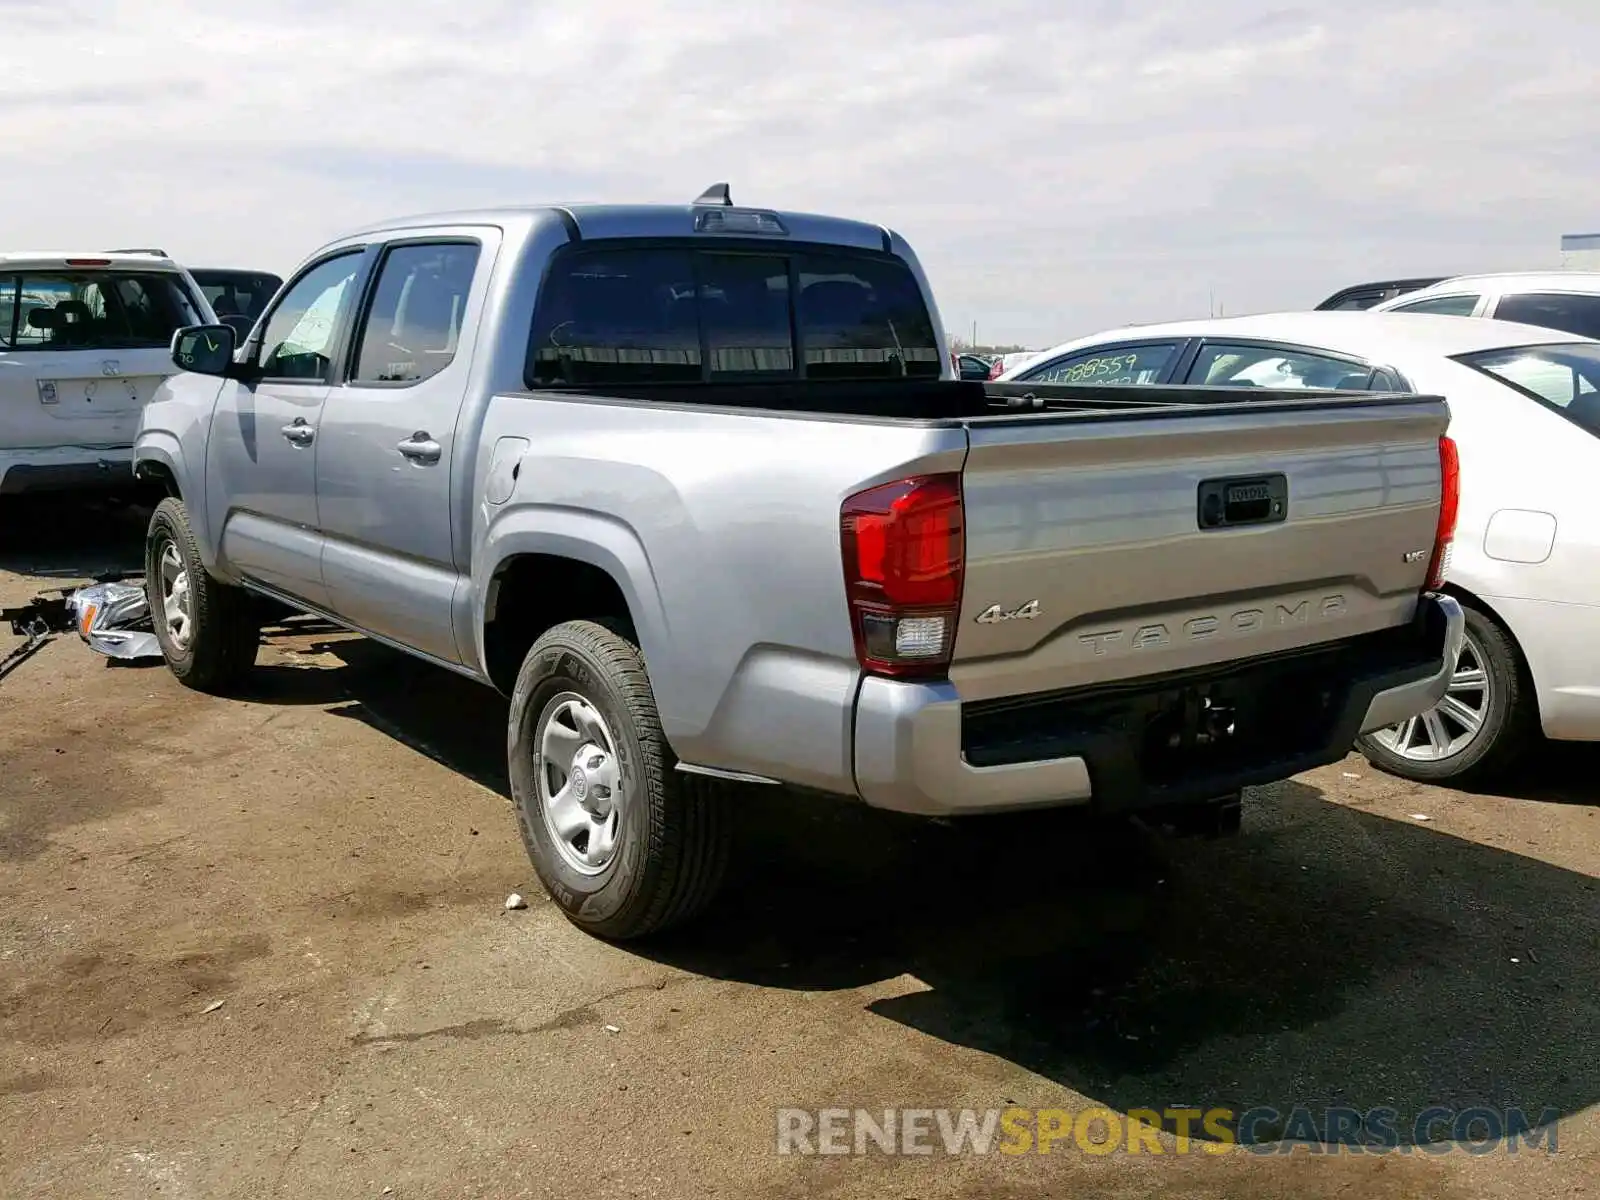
x: 1442, y: 306
x: 92, y: 310
x: 1563, y: 377
x: 414, y: 320
x: 1554, y: 310
x: 638, y: 315
x: 1220, y: 365
x: 1107, y: 365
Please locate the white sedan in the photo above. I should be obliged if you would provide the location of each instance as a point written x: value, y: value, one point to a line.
x: 1525, y: 415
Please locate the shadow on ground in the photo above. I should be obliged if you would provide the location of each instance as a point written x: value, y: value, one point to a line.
x: 1557, y: 773
x: 454, y: 721
x: 71, y: 536
x: 1328, y: 957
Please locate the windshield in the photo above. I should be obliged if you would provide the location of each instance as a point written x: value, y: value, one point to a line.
x: 1565, y: 377
x: 236, y: 293
x: 92, y: 310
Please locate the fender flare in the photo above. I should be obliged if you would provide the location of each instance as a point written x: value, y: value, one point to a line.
x: 165, y: 448
x: 602, y: 542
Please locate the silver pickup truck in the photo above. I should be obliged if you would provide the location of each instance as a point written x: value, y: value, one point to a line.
x: 695, y: 487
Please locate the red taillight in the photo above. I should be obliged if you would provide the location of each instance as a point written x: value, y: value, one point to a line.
x: 997, y: 368
x: 1449, y: 509
x: 904, y: 551
x: 88, y: 262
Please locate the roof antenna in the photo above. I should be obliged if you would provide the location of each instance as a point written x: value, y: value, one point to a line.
x: 717, y: 193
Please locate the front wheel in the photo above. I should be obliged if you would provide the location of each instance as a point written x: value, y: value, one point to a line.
x: 624, y: 844
x: 207, y: 630
x: 1479, y: 731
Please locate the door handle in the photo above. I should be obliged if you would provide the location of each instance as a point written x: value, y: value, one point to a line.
x: 298, y: 432
x: 420, y: 447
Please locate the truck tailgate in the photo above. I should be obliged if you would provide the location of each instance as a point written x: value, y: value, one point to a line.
x: 1105, y: 546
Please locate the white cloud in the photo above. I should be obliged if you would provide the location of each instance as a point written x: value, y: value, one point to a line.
x: 1059, y: 167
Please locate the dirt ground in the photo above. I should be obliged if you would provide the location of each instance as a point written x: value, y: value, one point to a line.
x: 258, y: 947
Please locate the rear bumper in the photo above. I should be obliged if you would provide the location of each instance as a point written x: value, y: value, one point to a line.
x: 64, y: 468
x: 919, y: 749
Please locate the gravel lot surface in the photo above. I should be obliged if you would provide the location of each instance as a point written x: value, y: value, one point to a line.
x: 258, y: 947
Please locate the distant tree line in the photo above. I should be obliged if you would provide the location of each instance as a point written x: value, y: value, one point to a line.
x: 960, y: 345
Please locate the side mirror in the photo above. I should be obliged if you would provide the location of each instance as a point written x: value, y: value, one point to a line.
x: 205, y: 349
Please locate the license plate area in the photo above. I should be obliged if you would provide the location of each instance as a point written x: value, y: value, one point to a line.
x: 1242, y: 500
x: 94, y: 397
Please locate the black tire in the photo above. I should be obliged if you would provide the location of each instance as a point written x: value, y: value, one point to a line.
x: 226, y: 632
x: 1510, y: 726
x: 673, y: 831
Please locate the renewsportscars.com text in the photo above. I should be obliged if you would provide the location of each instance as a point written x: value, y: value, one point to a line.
x: 1261, y: 1130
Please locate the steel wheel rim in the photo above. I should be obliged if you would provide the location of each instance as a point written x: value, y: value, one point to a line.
x: 1453, y: 724
x: 177, y: 597
x: 578, y: 782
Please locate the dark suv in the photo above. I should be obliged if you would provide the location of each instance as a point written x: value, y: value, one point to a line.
x: 1365, y: 295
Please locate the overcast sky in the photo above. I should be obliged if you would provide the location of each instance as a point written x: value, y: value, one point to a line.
x: 1061, y: 165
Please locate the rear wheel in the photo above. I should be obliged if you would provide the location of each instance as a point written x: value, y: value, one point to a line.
x: 1482, y: 728
x: 624, y: 844
x: 208, y: 631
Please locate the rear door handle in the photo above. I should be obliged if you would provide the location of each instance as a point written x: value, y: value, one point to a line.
x: 420, y: 447
x: 298, y: 432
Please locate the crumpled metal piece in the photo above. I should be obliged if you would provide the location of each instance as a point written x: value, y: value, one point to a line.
x: 114, y: 618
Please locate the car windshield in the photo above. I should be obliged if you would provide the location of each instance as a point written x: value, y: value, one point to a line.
x: 92, y: 310
x: 1564, y: 377
x: 236, y: 293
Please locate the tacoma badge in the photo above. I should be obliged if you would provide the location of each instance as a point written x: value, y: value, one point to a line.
x: 994, y: 614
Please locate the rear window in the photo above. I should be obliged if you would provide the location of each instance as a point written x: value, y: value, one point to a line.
x: 92, y: 310
x: 1565, y: 378
x: 1554, y: 310
x: 647, y: 315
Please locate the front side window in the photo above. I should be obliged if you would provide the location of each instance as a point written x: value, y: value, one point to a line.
x: 298, y: 340
x: 92, y: 310
x: 652, y: 315
x: 1442, y: 306
x: 1107, y: 365
x: 1567, y: 312
x: 1220, y: 365
x: 1563, y: 377
x: 414, y: 322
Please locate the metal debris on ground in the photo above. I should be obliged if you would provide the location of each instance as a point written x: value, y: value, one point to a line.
x: 108, y: 614
x: 114, y: 618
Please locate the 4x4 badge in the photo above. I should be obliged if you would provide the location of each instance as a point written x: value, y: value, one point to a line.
x: 994, y: 614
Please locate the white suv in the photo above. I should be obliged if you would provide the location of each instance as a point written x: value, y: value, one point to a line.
x: 84, y: 341
x: 1564, y: 300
